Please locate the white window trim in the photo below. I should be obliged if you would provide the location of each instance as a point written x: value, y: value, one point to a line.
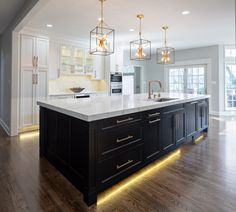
x: 207, y: 62
x: 227, y: 61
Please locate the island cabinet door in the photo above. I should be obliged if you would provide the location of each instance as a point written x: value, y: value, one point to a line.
x: 191, y: 119
x: 58, y: 136
x: 173, y: 127
x: 202, y: 115
x: 168, y: 131
x: 152, y: 136
x: 205, y: 114
x: 180, y: 127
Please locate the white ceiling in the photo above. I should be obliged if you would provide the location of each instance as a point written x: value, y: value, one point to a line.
x: 210, y: 21
x: 8, y: 10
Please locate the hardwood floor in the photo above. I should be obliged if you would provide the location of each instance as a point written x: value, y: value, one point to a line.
x: 200, y: 177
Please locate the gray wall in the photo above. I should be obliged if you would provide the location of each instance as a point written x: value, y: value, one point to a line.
x: 143, y: 64
x: 6, y: 78
x: 212, y: 53
x: 6, y: 65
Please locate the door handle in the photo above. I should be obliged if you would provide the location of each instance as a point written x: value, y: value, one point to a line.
x: 124, y: 139
x: 37, y: 60
x: 33, y: 79
x: 33, y: 61
x: 154, y: 121
x: 125, y: 120
x: 153, y: 114
x: 125, y: 164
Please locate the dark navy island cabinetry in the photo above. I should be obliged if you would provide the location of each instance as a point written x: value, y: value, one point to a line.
x: 95, y: 155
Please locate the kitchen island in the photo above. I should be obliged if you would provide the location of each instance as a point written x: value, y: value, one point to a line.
x: 97, y: 142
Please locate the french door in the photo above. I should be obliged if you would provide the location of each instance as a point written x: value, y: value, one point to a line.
x: 187, y: 79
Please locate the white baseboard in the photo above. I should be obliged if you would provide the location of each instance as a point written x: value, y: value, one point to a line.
x: 224, y: 113
x: 5, y: 127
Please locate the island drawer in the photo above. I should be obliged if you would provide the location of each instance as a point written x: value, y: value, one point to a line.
x: 120, y: 120
x: 118, y: 165
x: 113, y: 140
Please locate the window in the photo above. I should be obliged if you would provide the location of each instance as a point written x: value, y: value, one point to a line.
x: 230, y: 78
x: 230, y: 52
x: 176, y: 80
x: 230, y: 86
x: 187, y: 79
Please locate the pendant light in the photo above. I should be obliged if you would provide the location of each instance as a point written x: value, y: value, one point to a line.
x: 140, y: 49
x: 165, y: 55
x: 102, y: 37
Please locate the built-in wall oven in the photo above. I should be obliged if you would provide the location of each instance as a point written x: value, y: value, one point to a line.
x: 116, y: 90
x: 116, y: 83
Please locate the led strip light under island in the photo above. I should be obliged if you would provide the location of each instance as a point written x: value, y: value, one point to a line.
x: 98, y: 142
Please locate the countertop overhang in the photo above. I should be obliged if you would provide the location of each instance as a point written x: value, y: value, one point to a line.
x: 102, y: 107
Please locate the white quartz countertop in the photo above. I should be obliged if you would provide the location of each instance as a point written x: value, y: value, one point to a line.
x: 102, y: 107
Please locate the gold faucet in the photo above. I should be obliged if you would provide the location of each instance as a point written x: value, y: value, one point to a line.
x: 149, y: 87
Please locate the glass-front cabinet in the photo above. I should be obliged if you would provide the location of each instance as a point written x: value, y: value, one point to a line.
x: 66, y: 59
x: 74, y: 60
x: 89, y: 63
x: 78, y: 63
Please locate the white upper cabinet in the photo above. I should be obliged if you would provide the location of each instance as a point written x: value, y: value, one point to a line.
x: 34, y: 52
x: 99, y: 67
x: 89, y: 63
x: 72, y: 60
x: 41, y: 53
x: 54, y: 60
x: 27, y: 51
x: 116, y: 60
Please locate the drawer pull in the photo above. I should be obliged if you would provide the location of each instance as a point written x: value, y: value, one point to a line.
x: 125, y: 164
x: 194, y: 102
x: 124, y: 120
x: 154, y: 121
x: 153, y: 114
x: 124, y: 139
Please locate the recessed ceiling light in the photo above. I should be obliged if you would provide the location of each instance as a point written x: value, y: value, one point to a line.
x: 49, y: 25
x: 131, y: 30
x: 186, y: 12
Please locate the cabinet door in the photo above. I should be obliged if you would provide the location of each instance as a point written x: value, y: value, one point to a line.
x: 53, y: 70
x: 199, y: 116
x: 42, y: 53
x: 41, y: 90
x: 180, y: 128
x: 152, y: 138
x: 99, y: 67
x: 89, y: 63
x: 191, y: 122
x: 78, y: 61
x: 27, y: 51
x: 168, y: 131
x: 205, y: 117
x: 27, y: 94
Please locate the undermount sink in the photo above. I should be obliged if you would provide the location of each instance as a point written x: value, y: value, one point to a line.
x: 164, y: 99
